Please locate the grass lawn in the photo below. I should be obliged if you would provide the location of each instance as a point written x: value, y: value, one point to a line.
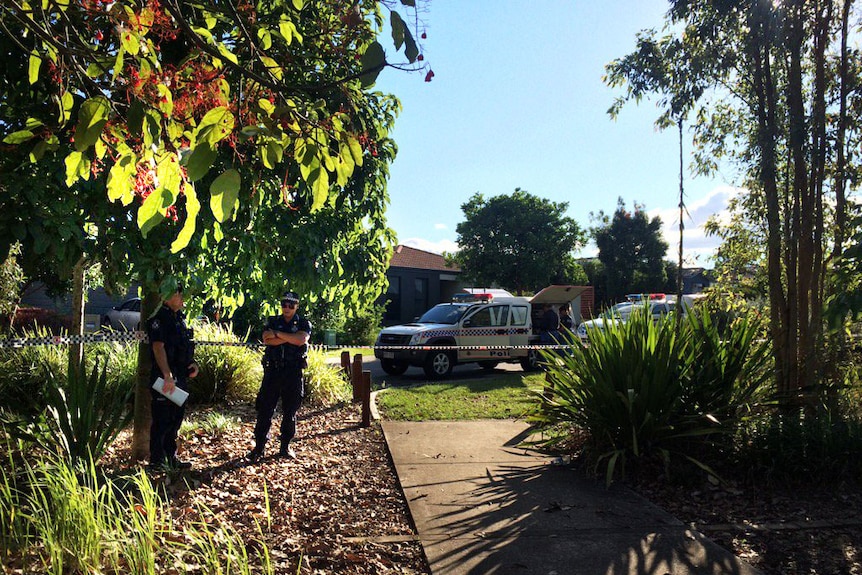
x: 507, y: 395
x: 336, y: 353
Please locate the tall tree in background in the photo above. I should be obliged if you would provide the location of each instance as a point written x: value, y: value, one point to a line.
x: 782, y: 103
x: 631, y: 251
x: 223, y: 140
x: 518, y: 241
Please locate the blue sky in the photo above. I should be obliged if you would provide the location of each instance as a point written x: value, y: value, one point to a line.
x: 517, y: 100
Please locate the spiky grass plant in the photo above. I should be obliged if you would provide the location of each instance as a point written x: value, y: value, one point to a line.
x: 325, y: 383
x: 211, y: 423
x: 645, y: 388
x: 226, y: 371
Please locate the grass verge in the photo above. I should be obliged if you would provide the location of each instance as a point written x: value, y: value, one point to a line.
x: 505, y: 396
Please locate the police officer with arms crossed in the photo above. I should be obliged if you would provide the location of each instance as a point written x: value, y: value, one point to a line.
x: 286, y: 338
x: 172, y: 354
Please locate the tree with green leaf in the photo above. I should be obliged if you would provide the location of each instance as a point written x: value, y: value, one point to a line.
x: 631, y: 251
x: 668, y: 67
x: 233, y: 147
x: 518, y: 241
x: 783, y: 85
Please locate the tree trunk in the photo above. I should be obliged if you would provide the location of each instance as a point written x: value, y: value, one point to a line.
x: 767, y: 132
x: 150, y: 303
x: 679, y: 303
x: 841, y: 135
x: 76, y: 350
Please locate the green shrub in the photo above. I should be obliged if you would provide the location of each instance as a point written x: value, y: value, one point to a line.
x: 226, y: 371
x: 24, y: 372
x: 211, y: 423
x: 325, y: 383
x: 83, y: 415
x: 729, y: 370
x: 362, y: 328
x: 644, y: 389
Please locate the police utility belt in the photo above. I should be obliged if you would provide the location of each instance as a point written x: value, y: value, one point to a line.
x: 297, y: 362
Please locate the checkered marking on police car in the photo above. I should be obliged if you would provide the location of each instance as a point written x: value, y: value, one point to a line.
x: 473, y: 332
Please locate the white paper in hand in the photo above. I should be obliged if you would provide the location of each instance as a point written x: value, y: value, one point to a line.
x: 178, y: 396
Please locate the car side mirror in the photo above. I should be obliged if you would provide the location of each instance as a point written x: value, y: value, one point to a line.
x: 468, y: 323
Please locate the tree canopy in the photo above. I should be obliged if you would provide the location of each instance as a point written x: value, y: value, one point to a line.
x: 189, y: 122
x: 631, y: 251
x: 777, y: 93
x: 518, y: 241
x: 233, y: 147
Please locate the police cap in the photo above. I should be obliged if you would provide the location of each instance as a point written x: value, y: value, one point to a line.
x: 290, y: 297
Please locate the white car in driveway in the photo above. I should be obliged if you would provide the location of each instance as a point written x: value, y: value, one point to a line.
x: 124, y: 317
x: 620, y: 313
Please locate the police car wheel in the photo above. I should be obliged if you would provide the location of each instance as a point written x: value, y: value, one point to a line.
x: 393, y: 367
x: 439, y: 364
x: 531, y: 362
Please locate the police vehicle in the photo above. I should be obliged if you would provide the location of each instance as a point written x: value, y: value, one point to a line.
x: 486, y: 326
x: 659, y: 305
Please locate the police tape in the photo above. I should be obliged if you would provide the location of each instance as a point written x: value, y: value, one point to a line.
x: 141, y: 337
x: 109, y: 337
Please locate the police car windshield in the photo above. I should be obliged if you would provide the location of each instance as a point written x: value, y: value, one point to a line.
x: 448, y: 313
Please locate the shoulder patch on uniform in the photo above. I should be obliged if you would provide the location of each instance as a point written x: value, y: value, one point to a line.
x: 156, y: 324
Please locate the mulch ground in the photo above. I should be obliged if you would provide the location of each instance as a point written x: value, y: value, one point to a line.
x: 338, y: 508
x: 811, y: 529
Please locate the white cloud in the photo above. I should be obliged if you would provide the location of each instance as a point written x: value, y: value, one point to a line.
x: 437, y: 247
x: 440, y: 227
x: 698, y: 248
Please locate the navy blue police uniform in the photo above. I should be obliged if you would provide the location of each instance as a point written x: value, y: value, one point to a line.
x: 282, y: 379
x: 170, y: 328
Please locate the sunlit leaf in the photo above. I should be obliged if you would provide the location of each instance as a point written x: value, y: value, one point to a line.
x: 200, y: 161
x: 18, y: 137
x: 319, y: 181
x: 216, y: 125
x: 224, y: 192
x: 151, y: 213
x: 35, y: 64
x: 193, y: 207
x: 120, y: 180
x: 77, y: 166
x: 272, y: 67
x: 92, y: 117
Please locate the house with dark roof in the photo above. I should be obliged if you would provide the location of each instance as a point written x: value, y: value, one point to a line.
x: 418, y: 280
x: 695, y: 280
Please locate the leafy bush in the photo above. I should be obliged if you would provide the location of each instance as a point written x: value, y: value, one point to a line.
x: 226, y: 371
x: 24, y: 373
x: 325, y: 383
x: 644, y: 389
x: 362, y: 328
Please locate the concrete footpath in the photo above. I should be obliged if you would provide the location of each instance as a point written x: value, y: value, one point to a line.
x: 483, y: 505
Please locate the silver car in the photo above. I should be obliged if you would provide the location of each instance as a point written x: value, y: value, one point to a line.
x: 124, y: 317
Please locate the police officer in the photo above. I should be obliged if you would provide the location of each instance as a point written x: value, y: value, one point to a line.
x: 286, y: 338
x: 172, y: 354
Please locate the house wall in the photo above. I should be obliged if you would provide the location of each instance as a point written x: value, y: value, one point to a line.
x: 412, y: 292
